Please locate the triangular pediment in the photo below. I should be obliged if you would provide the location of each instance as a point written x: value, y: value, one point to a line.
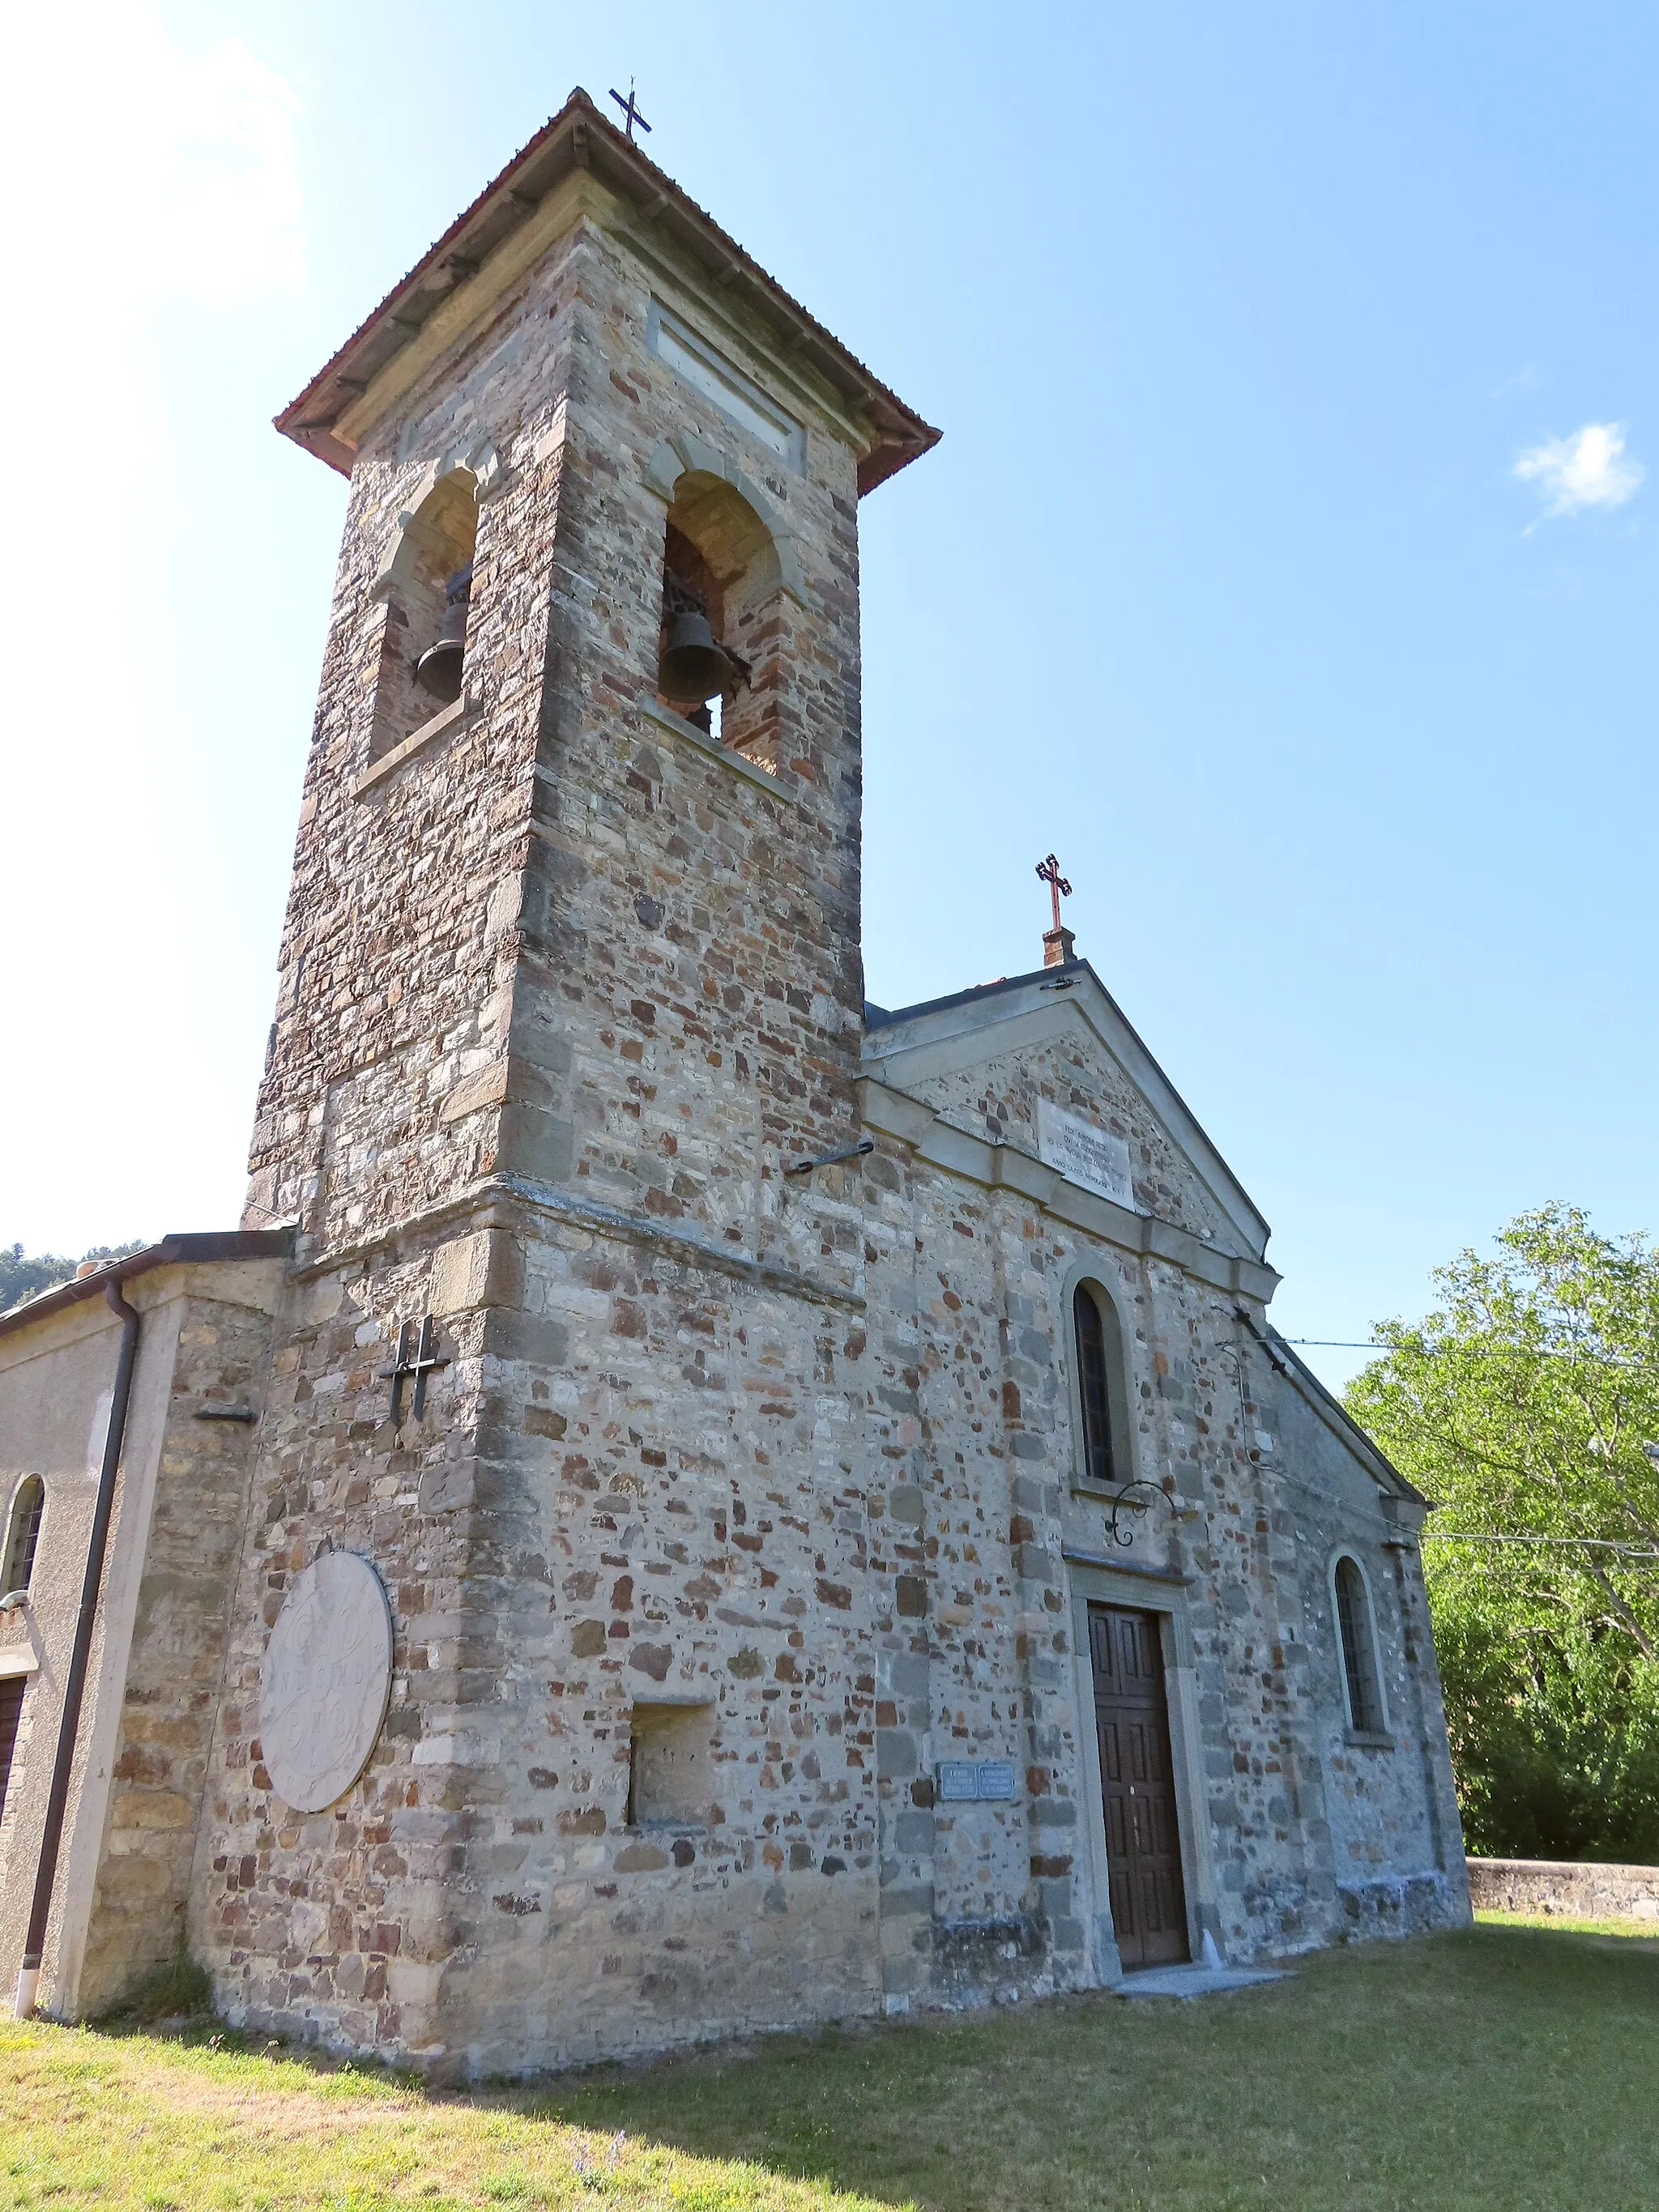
x: 1015, y: 1061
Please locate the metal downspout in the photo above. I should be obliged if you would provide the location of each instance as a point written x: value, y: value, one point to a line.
x: 46, y: 1874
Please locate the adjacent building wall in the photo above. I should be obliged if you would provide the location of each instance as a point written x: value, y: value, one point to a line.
x: 177, y: 1634
x: 130, y: 1828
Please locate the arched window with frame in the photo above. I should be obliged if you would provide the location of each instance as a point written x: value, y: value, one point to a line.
x: 1102, y: 1388
x: 23, y: 1534
x: 1356, y: 1630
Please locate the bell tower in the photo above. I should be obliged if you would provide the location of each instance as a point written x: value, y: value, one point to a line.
x: 570, y: 980
x: 587, y: 739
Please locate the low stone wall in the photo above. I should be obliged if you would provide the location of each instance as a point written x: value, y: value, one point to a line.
x: 1575, y: 1889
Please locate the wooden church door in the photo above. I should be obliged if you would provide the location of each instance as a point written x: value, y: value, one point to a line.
x: 1136, y: 1786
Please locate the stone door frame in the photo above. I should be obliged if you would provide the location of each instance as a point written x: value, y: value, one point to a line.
x: 1098, y: 1582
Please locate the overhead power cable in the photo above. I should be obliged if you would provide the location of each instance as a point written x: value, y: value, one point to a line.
x: 1520, y: 1351
x: 1572, y: 1543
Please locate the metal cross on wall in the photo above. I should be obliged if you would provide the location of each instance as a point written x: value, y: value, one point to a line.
x: 416, y: 1358
x: 629, y: 109
x: 1057, y: 886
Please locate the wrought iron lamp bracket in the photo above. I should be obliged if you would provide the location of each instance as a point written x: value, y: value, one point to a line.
x: 1126, y: 1498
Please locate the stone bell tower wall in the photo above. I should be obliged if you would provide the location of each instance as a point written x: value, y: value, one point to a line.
x: 396, y: 963
x: 565, y: 986
x: 497, y: 923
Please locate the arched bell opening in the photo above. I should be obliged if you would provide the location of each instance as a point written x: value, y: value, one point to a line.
x: 428, y: 593
x: 721, y: 579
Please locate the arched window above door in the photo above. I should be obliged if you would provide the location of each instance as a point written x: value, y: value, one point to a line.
x: 28, y: 1504
x: 1102, y: 1389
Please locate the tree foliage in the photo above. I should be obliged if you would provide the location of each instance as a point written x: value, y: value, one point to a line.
x: 24, y: 1276
x: 1527, y: 1407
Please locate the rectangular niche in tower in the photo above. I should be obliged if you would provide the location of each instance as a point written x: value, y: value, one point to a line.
x: 696, y: 363
x: 670, y: 1767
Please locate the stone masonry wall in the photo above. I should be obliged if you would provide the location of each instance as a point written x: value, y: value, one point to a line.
x: 998, y: 1099
x: 170, y: 1698
x: 1573, y: 1888
x: 1311, y: 1835
x: 775, y: 1468
x: 559, y: 998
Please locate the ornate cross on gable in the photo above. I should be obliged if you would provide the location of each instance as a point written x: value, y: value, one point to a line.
x: 1057, y: 886
x: 416, y: 1358
x: 1058, y: 942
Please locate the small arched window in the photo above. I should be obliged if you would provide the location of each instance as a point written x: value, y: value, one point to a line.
x: 428, y: 591
x: 1356, y: 1634
x: 23, y: 1534
x: 1101, y: 1388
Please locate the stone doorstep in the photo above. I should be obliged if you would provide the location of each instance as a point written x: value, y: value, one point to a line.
x: 1195, y: 1981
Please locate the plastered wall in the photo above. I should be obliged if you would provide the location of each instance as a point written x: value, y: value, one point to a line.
x: 152, y: 1688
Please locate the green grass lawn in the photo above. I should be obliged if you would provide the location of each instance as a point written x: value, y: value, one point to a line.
x: 1642, y: 1931
x: 1505, y: 2067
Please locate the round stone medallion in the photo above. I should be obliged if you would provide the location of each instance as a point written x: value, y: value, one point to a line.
x: 327, y: 1675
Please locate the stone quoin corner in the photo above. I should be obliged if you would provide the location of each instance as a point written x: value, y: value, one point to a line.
x: 691, y: 1503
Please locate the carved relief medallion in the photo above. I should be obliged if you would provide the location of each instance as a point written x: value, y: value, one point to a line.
x: 326, y: 1677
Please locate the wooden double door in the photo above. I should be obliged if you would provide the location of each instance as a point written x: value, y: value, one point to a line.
x: 1136, y: 1786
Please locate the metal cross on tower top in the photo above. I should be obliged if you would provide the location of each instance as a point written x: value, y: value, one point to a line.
x: 1057, y: 886
x: 629, y: 109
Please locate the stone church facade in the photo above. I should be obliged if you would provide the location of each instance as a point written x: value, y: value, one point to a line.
x: 722, y: 1505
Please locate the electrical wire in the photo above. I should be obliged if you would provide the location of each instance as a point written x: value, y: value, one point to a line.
x: 1572, y: 1543
x: 1521, y: 1350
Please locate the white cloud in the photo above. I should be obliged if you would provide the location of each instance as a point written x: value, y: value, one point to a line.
x: 1589, y: 469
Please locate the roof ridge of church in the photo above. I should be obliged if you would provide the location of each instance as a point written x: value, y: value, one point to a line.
x: 1329, y: 1407
x: 879, y: 1018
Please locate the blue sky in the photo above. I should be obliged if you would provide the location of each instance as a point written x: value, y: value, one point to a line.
x: 1286, y: 564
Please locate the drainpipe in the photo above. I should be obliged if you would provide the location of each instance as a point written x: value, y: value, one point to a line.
x: 34, y: 1942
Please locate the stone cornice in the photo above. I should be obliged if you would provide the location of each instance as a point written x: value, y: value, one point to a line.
x: 1005, y: 1167
x: 504, y: 1201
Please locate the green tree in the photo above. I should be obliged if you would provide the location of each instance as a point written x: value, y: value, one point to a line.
x: 22, y: 1277
x: 1527, y: 1407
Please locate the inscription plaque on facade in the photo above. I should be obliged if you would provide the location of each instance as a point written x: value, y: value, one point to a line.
x: 326, y: 1677
x: 961, y: 1779
x: 1095, y: 1158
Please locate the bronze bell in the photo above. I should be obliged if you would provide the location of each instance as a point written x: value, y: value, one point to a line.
x: 438, y: 668
x: 693, y: 666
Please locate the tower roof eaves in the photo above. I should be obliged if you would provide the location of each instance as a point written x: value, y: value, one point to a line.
x: 579, y: 136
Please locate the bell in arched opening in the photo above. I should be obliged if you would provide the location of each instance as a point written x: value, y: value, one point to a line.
x: 438, y: 670
x: 693, y: 668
